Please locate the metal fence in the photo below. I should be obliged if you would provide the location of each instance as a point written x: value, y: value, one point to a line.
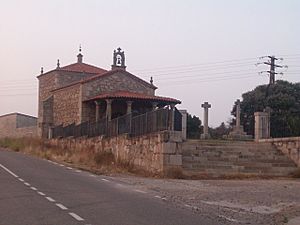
x: 157, y: 120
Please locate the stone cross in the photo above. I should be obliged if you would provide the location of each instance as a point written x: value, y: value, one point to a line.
x: 238, y: 113
x: 206, y: 106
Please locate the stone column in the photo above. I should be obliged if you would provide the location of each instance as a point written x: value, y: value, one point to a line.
x: 108, y: 109
x: 206, y: 106
x: 129, y: 107
x: 97, y: 110
x: 172, y: 119
x: 238, y: 113
x: 184, y: 123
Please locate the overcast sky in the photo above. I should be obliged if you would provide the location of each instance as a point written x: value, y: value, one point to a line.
x: 195, y: 50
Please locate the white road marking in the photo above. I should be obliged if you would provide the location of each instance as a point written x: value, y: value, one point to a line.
x: 78, y: 171
x: 61, y: 206
x: 105, y: 180
x: 144, y: 192
x: 156, y: 196
x: 69, y: 168
x: 76, y: 217
x: 50, y: 199
x: 187, y: 205
x: 91, y: 175
x: 55, y: 163
x: 7, y: 170
x: 61, y: 165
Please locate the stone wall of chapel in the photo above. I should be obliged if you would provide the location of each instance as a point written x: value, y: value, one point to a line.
x: 115, y: 82
x: 66, y: 78
x: 67, y: 106
x: 47, y: 83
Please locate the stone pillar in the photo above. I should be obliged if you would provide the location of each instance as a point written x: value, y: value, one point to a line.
x: 172, y: 119
x: 238, y: 113
x: 184, y: 123
x: 50, y: 133
x: 262, y: 125
x: 129, y: 107
x: 97, y: 110
x: 108, y: 109
x: 205, y: 134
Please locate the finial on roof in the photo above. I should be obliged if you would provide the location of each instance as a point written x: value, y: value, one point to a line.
x: 42, y: 70
x: 151, y: 80
x: 79, y: 56
x: 58, y: 64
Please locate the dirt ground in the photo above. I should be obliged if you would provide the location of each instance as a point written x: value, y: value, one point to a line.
x: 255, y: 201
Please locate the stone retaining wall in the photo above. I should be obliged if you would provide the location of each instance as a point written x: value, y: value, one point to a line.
x: 289, y: 146
x: 156, y: 152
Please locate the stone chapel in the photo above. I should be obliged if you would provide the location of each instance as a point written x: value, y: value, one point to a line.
x: 80, y: 92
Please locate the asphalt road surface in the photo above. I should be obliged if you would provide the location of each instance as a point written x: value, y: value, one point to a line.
x: 34, y: 191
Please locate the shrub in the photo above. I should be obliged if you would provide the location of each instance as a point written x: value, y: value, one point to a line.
x: 104, y: 158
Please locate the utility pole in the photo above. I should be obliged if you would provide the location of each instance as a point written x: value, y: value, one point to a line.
x: 272, y: 72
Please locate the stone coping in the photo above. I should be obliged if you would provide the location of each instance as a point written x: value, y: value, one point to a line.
x: 279, y: 139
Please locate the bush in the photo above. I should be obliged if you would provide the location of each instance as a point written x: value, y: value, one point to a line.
x: 13, y: 144
x: 104, y: 158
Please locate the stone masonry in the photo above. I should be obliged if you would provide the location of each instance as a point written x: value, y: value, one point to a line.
x: 66, y: 105
x: 156, y: 153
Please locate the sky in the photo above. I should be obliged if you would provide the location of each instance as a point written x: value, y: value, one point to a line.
x: 195, y: 50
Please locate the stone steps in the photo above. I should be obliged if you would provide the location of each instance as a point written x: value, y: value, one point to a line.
x: 229, y: 158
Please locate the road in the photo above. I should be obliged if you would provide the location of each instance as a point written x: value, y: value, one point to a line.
x: 34, y: 191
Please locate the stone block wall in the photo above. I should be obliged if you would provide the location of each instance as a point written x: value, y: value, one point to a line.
x: 114, y: 82
x: 290, y: 146
x: 66, y: 105
x: 156, y: 152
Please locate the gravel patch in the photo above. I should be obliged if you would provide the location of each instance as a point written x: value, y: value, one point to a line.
x: 253, y: 201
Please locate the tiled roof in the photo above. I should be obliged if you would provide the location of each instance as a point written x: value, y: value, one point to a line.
x: 133, y: 96
x: 83, y: 67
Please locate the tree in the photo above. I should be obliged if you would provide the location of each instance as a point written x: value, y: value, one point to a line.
x: 193, y: 127
x: 284, y: 100
x: 219, y: 132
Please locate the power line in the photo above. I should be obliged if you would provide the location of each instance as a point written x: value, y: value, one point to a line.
x: 194, y: 65
x: 205, y: 81
x: 209, y: 75
x: 170, y: 72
